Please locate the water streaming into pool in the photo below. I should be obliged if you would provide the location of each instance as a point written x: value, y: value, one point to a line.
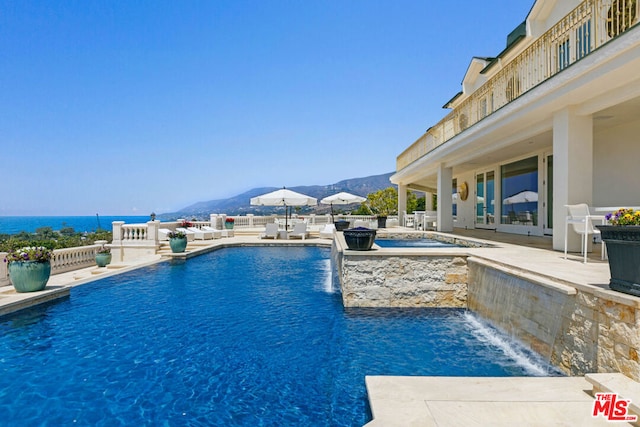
x: 238, y: 337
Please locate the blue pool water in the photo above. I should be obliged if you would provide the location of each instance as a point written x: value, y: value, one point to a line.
x: 237, y: 337
x: 414, y: 243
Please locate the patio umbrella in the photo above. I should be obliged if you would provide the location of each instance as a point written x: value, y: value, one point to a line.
x: 284, y: 197
x: 342, y: 198
x: 521, y: 197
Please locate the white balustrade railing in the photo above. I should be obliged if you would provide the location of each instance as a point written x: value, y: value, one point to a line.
x: 70, y: 259
x: 63, y: 260
x: 135, y: 232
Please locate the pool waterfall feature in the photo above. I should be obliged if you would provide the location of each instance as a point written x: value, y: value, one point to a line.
x: 579, y: 329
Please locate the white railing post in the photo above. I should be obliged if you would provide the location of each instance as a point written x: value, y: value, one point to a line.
x: 250, y: 216
x: 152, y: 231
x: 117, y: 230
x: 4, y: 271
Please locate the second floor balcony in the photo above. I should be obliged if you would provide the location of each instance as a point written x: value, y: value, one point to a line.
x: 588, y: 27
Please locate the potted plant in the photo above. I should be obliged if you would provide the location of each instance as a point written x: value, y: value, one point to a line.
x: 177, y: 241
x: 622, y: 237
x: 383, y: 203
x: 228, y: 223
x: 29, y: 268
x: 103, y: 256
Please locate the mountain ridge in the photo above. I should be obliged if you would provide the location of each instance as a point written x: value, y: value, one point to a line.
x: 241, y: 203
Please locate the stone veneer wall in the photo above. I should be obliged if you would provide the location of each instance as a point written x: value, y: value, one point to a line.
x: 380, y: 279
x: 578, y: 329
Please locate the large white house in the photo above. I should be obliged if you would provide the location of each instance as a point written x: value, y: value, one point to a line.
x: 552, y: 120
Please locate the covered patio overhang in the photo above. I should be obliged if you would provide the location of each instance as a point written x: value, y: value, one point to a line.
x: 564, y: 115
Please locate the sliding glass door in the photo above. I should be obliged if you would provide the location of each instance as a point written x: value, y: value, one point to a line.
x: 485, y: 200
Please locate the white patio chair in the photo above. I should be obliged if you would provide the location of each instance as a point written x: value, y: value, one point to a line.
x: 270, y: 231
x: 430, y: 220
x: 581, y: 221
x: 299, y: 230
x: 328, y: 231
x: 408, y: 220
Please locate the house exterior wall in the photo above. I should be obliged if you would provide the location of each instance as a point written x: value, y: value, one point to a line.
x: 616, y: 154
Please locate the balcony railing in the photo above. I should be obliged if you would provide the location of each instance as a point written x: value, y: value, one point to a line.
x: 586, y: 28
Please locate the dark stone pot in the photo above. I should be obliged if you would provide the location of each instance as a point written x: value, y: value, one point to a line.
x: 341, y: 225
x: 359, y: 238
x: 382, y: 222
x: 623, y: 250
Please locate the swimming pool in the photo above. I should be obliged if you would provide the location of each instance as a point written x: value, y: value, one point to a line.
x: 414, y: 243
x: 237, y: 337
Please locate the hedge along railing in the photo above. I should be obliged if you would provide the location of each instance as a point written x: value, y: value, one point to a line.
x: 589, y: 26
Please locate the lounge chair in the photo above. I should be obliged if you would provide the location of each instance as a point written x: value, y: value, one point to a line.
x: 214, y: 232
x: 201, y: 234
x: 191, y: 236
x: 328, y: 231
x: 270, y: 231
x: 299, y: 230
x: 163, y: 234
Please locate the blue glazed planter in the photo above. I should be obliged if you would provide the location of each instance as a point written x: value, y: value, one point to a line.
x: 178, y: 244
x: 228, y: 225
x: 29, y: 276
x: 102, y: 260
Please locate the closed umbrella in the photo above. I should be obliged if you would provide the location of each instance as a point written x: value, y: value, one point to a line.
x: 284, y: 197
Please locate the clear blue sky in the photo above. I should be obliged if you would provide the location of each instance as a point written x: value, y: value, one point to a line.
x: 129, y: 107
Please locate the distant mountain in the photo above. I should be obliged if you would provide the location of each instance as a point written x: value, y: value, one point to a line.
x: 241, y: 204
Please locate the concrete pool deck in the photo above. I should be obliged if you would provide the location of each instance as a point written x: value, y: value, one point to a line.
x: 431, y: 401
x: 479, y: 401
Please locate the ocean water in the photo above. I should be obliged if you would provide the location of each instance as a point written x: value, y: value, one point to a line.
x: 16, y: 224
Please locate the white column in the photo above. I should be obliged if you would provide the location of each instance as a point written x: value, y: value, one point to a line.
x: 445, y: 202
x: 402, y: 203
x: 428, y: 202
x: 572, y: 170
